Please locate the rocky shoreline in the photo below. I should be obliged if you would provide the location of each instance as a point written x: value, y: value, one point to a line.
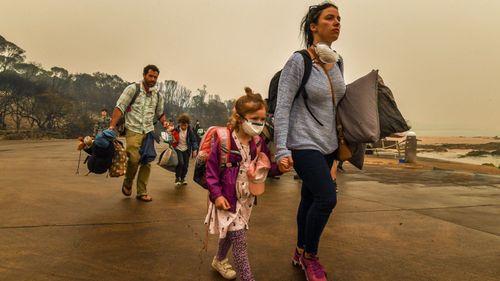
x: 477, y: 150
x: 469, y: 150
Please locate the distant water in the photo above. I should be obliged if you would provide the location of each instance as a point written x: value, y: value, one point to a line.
x: 454, y: 156
x: 456, y: 133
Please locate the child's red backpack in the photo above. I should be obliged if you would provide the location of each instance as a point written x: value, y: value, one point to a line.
x: 213, y: 134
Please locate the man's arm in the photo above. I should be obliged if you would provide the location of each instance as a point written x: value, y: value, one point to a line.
x: 117, y: 114
x: 163, y: 121
x: 121, y: 105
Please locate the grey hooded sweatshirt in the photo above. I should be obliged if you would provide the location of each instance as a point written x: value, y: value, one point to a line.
x: 295, y: 128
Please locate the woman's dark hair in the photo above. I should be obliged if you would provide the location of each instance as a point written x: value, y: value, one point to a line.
x: 149, y: 67
x: 312, y: 16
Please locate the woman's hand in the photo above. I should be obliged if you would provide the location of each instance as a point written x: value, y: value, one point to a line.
x: 333, y: 171
x: 285, y: 165
x: 221, y: 203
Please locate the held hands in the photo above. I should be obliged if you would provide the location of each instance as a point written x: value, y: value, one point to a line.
x: 166, y: 125
x: 285, y: 165
x: 195, y: 153
x: 221, y: 203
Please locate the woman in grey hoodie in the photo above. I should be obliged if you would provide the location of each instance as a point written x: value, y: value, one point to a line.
x: 305, y: 131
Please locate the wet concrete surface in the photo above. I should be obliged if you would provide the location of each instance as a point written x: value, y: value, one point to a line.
x: 389, y: 224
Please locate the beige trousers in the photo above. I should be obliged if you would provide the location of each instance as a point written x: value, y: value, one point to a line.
x: 134, y: 142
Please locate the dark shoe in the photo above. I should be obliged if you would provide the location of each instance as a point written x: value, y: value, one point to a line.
x: 183, y: 182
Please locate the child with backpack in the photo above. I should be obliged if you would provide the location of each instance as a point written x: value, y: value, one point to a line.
x: 233, y: 183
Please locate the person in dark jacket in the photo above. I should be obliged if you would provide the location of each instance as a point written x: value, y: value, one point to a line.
x: 185, y: 144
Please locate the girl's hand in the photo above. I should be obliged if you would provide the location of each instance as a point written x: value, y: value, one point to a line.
x: 221, y: 203
x: 285, y: 165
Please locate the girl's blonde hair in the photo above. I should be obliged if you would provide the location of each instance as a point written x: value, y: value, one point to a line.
x: 248, y: 103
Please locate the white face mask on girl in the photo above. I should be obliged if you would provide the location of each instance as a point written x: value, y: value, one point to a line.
x: 252, y: 128
x: 325, y: 53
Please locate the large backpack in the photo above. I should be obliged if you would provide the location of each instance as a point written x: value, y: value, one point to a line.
x: 213, y: 134
x: 101, y: 153
x: 273, y: 85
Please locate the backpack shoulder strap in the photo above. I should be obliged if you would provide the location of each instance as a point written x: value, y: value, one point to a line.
x: 137, y: 92
x: 224, y: 137
x: 302, y: 89
x: 307, y: 71
x: 258, y: 144
x: 157, y: 100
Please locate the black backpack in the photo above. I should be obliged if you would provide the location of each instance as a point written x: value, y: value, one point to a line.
x: 101, y: 154
x: 100, y: 159
x: 273, y: 86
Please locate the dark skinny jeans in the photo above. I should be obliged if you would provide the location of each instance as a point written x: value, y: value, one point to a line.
x: 182, y: 167
x: 318, y: 196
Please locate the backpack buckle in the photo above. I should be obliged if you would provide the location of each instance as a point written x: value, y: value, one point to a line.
x: 229, y: 165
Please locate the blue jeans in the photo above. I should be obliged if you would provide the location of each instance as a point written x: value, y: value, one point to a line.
x: 318, y: 196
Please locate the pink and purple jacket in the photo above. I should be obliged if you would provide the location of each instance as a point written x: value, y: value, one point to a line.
x: 221, y: 181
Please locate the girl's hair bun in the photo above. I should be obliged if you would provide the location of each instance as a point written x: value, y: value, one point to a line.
x: 248, y: 91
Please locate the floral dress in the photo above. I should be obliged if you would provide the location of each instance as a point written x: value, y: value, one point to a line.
x: 222, y: 221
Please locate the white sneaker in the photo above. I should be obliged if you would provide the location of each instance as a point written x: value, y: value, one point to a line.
x: 178, y: 182
x: 224, y: 268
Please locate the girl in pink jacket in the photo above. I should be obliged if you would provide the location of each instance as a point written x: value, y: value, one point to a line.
x: 231, y: 188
